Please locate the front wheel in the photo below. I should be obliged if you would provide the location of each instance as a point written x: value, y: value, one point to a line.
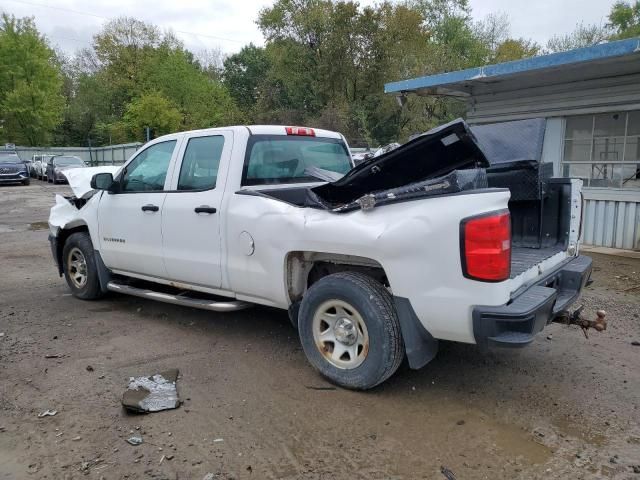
x: 349, y: 330
x: 80, y: 270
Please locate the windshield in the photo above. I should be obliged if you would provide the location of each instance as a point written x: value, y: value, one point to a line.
x: 274, y: 159
x: 9, y: 157
x: 68, y: 161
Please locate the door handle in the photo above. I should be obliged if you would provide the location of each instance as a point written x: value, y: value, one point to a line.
x: 150, y: 208
x: 205, y: 209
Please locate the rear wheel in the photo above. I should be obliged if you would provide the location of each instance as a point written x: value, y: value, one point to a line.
x: 349, y: 330
x: 27, y: 181
x: 80, y: 269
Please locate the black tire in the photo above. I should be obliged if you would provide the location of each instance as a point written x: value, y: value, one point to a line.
x: 27, y: 181
x: 90, y: 289
x: 374, y: 304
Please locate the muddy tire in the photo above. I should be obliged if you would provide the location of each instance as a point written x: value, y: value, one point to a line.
x: 80, y: 269
x: 349, y: 330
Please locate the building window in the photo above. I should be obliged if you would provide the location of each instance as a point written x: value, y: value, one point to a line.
x: 603, y: 149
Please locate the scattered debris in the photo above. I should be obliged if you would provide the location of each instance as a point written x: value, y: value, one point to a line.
x: 89, y: 368
x: 218, y: 440
x: 635, y: 343
x: 312, y: 387
x: 209, y: 476
x: 47, y: 413
x: 1, y: 334
x: 162, y: 459
x: 460, y: 422
x: 135, y: 441
x: 550, y: 336
x: 53, y: 355
x: 152, y: 394
x: 77, y: 439
x: 447, y: 473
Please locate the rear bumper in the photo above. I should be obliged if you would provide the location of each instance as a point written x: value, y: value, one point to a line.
x: 516, y: 323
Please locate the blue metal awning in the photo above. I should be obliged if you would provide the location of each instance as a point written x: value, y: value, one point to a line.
x: 572, y: 62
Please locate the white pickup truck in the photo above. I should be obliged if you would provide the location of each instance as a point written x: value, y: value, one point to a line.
x: 374, y: 263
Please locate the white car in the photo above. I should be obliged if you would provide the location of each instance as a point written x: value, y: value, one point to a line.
x: 403, y: 251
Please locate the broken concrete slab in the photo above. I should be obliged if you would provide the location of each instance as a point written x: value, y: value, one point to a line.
x: 152, y: 394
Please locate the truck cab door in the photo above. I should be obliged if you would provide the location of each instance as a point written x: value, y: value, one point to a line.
x: 130, y: 219
x: 191, y: 220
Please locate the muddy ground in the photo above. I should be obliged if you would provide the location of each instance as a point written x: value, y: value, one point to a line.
x: 566, y: 407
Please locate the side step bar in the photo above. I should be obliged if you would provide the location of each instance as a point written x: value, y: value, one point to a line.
x: 213, y: 306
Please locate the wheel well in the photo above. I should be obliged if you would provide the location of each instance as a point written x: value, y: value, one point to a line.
x: 63, y: 235
x: 303, y: 269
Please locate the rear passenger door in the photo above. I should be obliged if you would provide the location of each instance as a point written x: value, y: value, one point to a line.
x: 191, y: 219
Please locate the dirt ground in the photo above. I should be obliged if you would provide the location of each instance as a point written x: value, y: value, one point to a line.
x: 565, y: 407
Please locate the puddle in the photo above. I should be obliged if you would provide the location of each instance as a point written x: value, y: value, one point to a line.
x: 576, y: 430
x: 39, y: 226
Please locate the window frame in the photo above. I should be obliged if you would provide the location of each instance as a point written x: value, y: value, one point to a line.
x: 168, y: 177
x: 253, y: 139
x: 592, y: 148
x: 183, y: 152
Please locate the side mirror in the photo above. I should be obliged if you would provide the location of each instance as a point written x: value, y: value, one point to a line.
x: 102, y: 181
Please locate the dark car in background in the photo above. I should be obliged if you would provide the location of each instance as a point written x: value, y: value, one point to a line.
x: 12, y: 169
x: 58, y: 164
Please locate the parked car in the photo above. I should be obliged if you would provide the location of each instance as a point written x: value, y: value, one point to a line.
x: 58, y: 164
x: 12, y: 168
x: 41, y: 167
x: 401, y: 251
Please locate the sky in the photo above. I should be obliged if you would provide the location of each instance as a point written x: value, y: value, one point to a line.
x: 229, y: 24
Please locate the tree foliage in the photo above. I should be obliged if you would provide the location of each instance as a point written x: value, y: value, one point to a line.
x: 31, y: 101
x: 324, y: 63
x: 624, y: 19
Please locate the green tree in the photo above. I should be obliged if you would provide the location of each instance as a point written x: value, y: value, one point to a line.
x: 31, y: 101
x: 244, y: 74
x: 624, y: 19
x: 152, y: 110
x: 514, y: 49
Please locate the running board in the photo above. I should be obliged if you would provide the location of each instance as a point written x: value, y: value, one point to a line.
x: 203, y: 304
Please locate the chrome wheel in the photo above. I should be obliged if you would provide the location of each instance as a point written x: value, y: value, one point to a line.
x: 340, y: 334
x: 77, y: 267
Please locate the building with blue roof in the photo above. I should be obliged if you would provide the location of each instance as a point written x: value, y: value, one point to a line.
x: 590, y: 98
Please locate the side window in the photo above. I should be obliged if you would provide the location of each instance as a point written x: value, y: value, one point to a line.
x: 199, y: 169
x: 148, y: 171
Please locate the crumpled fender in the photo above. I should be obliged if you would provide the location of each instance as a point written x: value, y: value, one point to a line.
x: 80, y: 178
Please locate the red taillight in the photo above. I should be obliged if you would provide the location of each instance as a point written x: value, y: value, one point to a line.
x: 486, y: 247
x: 302, y: 131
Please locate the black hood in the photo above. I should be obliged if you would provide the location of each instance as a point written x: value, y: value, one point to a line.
x: 16, y: 164
x: 434, y: 154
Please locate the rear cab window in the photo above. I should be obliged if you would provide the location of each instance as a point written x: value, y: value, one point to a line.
x: 279, y: 159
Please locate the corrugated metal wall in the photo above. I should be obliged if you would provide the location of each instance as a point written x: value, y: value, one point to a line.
x: 110, y: 155
x: 576, y: 98
x: 610, y: 223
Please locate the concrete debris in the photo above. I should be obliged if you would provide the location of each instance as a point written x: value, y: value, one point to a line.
x: 152, y: 394
x: 135, y: 441
x: 53, y: 355
x: 47, y: 413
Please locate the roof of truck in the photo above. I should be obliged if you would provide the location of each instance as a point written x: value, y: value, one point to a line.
x: 269, y: 130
